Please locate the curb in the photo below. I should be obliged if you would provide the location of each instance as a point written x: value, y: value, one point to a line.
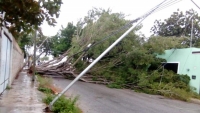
x: 196, y: 101
x: 55, y: 89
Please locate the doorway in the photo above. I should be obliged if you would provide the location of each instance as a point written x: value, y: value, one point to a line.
x: 171, y: 66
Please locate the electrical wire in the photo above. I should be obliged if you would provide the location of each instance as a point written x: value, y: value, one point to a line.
x: 168, y: 4
x: 163, y: 6
x: 195, y: 4
x: 115, y: 32
x: 153, y: 10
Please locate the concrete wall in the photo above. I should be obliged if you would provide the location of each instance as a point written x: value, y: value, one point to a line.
x: 17, y: 61
x: 16, y: 56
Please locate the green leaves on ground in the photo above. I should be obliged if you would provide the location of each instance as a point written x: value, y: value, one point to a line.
x: 165, y: 83
x: 63, y: 105
x: 45, y: 90
x: 132, y: 63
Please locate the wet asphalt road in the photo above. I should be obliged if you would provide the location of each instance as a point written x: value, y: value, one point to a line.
x: 94, y: 98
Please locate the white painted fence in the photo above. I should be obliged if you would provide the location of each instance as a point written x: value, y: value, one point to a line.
x: 11, y: 59
x: 6, y: 43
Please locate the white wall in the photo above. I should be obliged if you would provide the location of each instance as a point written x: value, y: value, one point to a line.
x: 17, y: 61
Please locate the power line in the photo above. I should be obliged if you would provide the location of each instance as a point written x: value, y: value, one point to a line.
x: 99, y: 57
x: 170, y: 3
x: 151, y: 11
x: 165, y: 5
x: 195, y: 4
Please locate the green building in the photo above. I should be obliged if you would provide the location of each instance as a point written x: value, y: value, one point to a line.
x: 184, y: 61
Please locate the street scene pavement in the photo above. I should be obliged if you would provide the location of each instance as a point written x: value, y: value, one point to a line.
x: 23, y: 97
x: 94, y: 98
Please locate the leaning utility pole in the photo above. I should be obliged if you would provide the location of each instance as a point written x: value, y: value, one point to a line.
x: 34, y: 55
x: 103, y: 54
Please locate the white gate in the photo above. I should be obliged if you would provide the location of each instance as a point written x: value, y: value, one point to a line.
x: 5, y: 60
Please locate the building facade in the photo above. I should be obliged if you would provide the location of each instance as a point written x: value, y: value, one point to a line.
x: 184, y: 61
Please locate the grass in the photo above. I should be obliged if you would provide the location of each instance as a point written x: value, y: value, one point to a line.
x: 8, y: 87
x: 44, y: 81
x: 63, y: 104
x: 45, y: 90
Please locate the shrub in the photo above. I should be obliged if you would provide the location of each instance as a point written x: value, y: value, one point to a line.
x: 8, y: 87
x: 166, y: 83
x: 44, y: 81
x: 44, y: 90
x: 48, y: 98
x: 63, y: 105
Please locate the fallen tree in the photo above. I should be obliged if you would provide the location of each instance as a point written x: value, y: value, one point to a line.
x: 130, y: 64
x: 59, y: 68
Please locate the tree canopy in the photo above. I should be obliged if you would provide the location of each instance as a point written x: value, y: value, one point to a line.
x: 132, y: 63
x: 179, y: 24
x: 61, y: 42
x: 25, y: 15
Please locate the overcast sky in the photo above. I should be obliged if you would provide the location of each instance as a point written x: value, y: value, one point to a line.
x: 73, y: 10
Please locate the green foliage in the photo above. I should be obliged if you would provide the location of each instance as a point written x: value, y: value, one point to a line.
x: 63, y: 105
x: 130, y: 64
x: 49, y: 97
x: 80, y: 66
x: 195, y: 95
x: 173, y: 92
x: 44, y: 81
x: 114, y: 85
x: 166, y: 83
x: 97, y: 25
x: 61, y: 42
x: 157, y: 44
x: 24, y: 40
x: 179, y: 25
x: 24, y: 15
x: 45, y: 90
x: 8, y: 87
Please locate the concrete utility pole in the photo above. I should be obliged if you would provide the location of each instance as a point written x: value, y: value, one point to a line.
x: 103, y: 54
x: 191, y: 34
x: 34, y: 55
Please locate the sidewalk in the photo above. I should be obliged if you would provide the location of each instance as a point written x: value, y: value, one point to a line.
x: 23, y: 97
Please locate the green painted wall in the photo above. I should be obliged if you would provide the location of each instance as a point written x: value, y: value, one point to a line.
x: 188, y: 63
